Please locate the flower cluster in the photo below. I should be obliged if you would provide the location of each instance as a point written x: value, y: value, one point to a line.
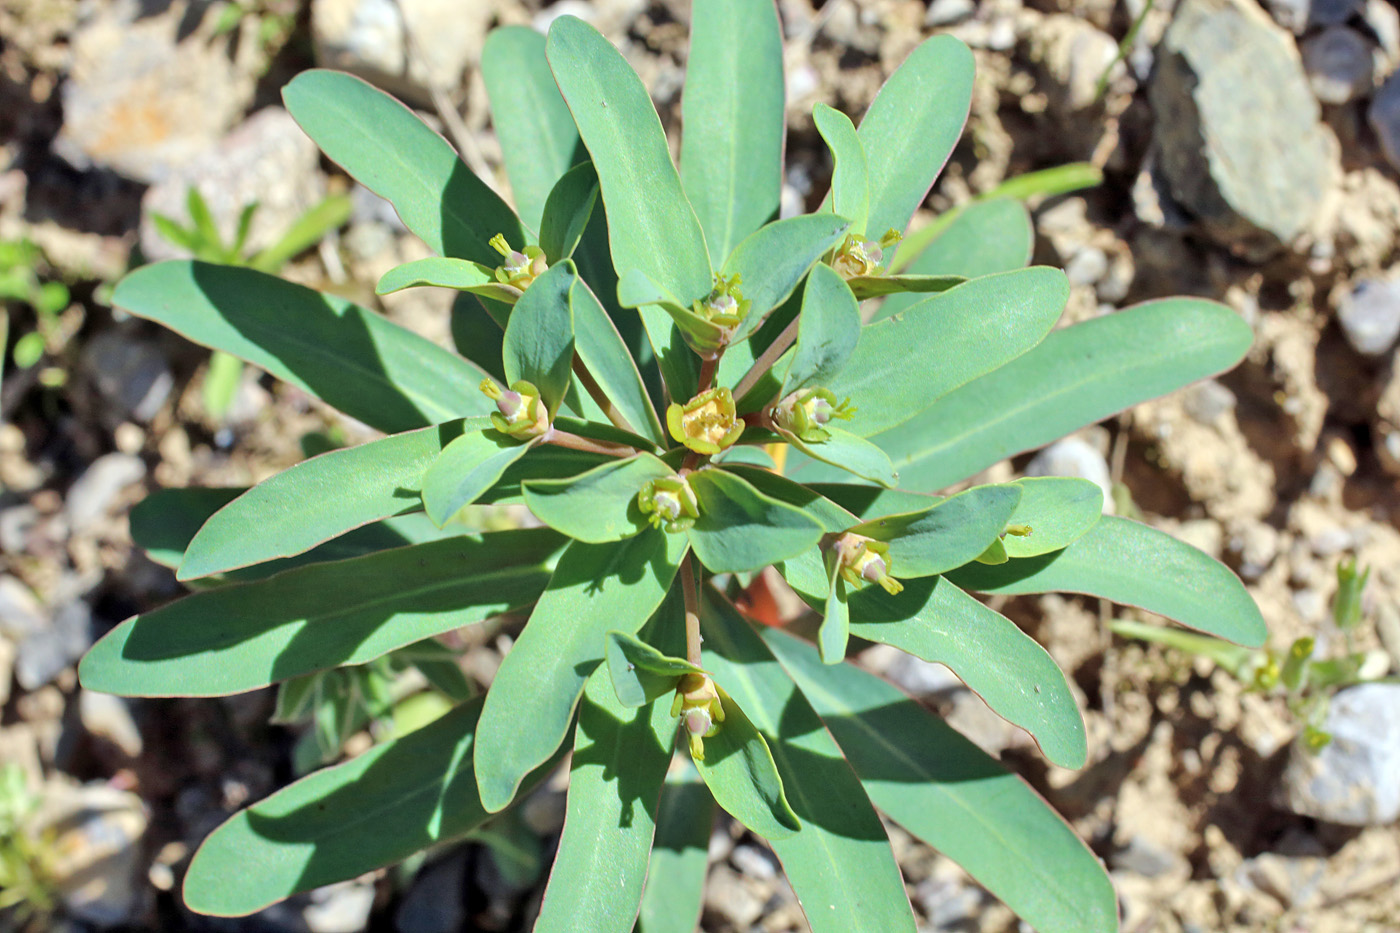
x: 520, y: 268
x: 707, y: 423
x: 697, y: 702
x: 865, y: 560
x: 520, y: 412
x: 860, y: 256
x: 669, y: 503
x: 804, y: 413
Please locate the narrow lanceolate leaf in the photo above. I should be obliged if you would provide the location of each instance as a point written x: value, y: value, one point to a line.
x: 600, y: 505
x: 539, y: 141
x: 465, y: 469
x: 739, y: 770
x: 832, y: 517
x: 850, y: 181
x: 651, y: 225
x: 601, y: 348
x: 319, y: 499
x: 835, y: 631
x: 947, y: 535
x: 732, y: 119
x: 636, y: 289
x: 676, y: 875
x: 873, y: 286
x: 640, y: 673
x: 595, y: 588
x: 982, y: 238
x: 390, y: 151
x: 934, y: 620
x: 911, y: 128
x: 869, y: 501
x: 164, y: 523
x: 396, y: 799
x: 620, y: 759
x: 828, y: 331
x: 773, y: 260
x: 1185, y: 584
x: 446, y: 272
x: 567, y: 211
x: 539, y: 344
x: 742, y: 529
x: 850, y: 453
x: 1053, y: 511
x: 351, y: 358
x: 903, y: 365
x: 245, y: 636
x: 1079, y: 375
x: 949, y: 793
x: 840, y: 864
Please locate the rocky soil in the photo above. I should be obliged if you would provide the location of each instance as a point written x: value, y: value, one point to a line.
x: 1250, y: 154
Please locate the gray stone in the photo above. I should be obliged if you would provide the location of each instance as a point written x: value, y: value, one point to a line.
x: 267, y: 159
x: 948, y: 12
x: 109, y: 717
x: 1087, y: 266
x: 754, y: 862
x: 1238, y: 130
x: 1073, y: 456
x: 55, y: 646
x: 921, y: 678
x: 433, y: 903
x: 1332, y: 12
x: 1384, y: 117
x: 16, y: 524
x: 949, y: 904
x: 1339, y: 62
x: 1352, y: 780
x: 7, y: 668
x: 131, y: 373
x: 92, y: 494
x: 1290, y: 14
x: 97, y: 841
x: 1370, y: 316
x: 139, y: 102
x: 20, y: 612
x: 1073, y: 55
x: 339, y: 908
x: 1141, y: 856
x: 1384, y: 22
x: 1207, y: 402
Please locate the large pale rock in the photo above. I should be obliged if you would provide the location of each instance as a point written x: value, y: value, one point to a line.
x: 1352, y: 780
x: 1241, y: 145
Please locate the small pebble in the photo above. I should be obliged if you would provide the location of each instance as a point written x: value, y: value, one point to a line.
x: 55, y: 646
x: 1351, y: 780
x: 1370, y: 316
x: 92, y: 494
x: 754, y: 863
x: 1384, y: 117
x: 1332, y: 12
x: 1073, y: 456
x: 1338, y: 61
x: 339, y: 908
x: 948, y: 12
x: 1207, y: 402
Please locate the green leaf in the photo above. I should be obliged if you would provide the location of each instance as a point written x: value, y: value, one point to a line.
x: 476, y: 333
x: 351, y: 358
x: 773, y: 260
x: 390, y: 151
x: 904, y: 364
x: 600, y: 505
x: 741, y: 529
x: 446, y: 272
x: 603, y: 351
x: 1048, y: 182
x: 911, y: 128
x: 1133, y: 564
x: 850, y: 181
x: 840, y: 864
x: 832, y: 517
x: 539, y: 141
x: 651, y: 225
x: 1057, y: 509
x: 319, y: 499
x: 874, y: 286
x: 934, y: 620
x: 949, y: 793
x: 850, y: 453
x: 396, y: 799
x: 248, y: 635
x: 1077, y: 376
x: 466, y: 468
x: 866, y: 501
x: 567, y: 210
x: 828, y: 331
x: 946, y: 535
x: 615, y: 775
x: 636, y: 290
x: 982, y: 238
x: 539, y: 344
x: 641, y: 673
x: 732, y: 111
x: 596, y: 588
x: 164, y: 523
x: 676, y: 875
x: 835, y: 629
x: 738, y: 768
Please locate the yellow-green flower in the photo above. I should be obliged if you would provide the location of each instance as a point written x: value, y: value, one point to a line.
x: 520, y: 268
x: 725, y: 305
x: 669, y: 503
x: 804, y: 413
x: 697, y: 703
x: 860, y: 256
x: 865, y: 560
x: 707, y: 423
x: 519, y: 411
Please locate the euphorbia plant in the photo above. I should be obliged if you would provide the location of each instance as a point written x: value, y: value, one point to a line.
x: 684, y: 390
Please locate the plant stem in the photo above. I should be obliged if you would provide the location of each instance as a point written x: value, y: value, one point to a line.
x: 766, y: 360
x: 562, y: 438
x: 692, y: 611
x: 591, y: 386
x: 707, y: 373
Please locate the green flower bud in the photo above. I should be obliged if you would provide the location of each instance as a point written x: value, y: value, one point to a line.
x: 860, y: 256
x: 669, y: 503
x: 707, y: 423
x: 865, y: 560
x: 726, y: 305
x: 519, y: 411
x: 519, y: 268
x: 804, y: 413
x: 697, y: 703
